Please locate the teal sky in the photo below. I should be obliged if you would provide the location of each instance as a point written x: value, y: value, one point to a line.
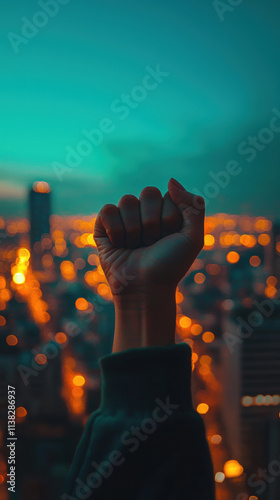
x: 222, y: 85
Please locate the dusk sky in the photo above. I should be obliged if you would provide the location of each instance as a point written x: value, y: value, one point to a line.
x: 221, y: 85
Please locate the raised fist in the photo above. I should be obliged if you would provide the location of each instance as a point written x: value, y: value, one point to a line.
x: 150, y: 243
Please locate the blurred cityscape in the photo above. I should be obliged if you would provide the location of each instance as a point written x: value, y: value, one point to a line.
x: 57, y: 319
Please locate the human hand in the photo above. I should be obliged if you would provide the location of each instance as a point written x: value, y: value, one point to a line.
x: 146, y: 246
x: 149, y: 244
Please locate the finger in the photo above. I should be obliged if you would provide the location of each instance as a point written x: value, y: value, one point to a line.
x: 101, y: 238
x: 171, y: 217
x: 150, y: 209
x: 192, y: 208
x: 109, y: 223
x: 130, y: 214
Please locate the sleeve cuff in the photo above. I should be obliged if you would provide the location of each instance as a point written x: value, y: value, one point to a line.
x: 132, y: 380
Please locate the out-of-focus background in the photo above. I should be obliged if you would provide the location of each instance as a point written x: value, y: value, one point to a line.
x: 99, y: 99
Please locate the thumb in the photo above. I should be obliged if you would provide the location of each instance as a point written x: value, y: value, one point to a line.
x: 192, y: 208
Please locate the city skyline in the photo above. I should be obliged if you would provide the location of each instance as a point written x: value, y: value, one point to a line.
x: 57, y: 319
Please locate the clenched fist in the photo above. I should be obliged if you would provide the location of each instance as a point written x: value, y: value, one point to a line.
x: 150, y: 242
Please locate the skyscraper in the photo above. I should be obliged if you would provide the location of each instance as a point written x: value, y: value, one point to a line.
x: 40, y: 211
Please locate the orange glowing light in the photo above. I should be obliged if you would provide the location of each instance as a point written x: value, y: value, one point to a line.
x: 204, y: 370
x: 232, y: 468
x: 2, y: 305
x: 253, y: 497
x: 41, y: 187
x: 19, y: 278
x: 77, y: 392
x: 229, y: 224
x: 233, y: 257
x: 79, y: 380
x: 216, y: 439
x: 105, y: 291
x: 81, y: 304
x: 179, y: 297
x: 11, y: 340
x: 199, y: 278
x: 60, y: 338
x: 248, y: 240
x: 213, y: 269
x: 255, y: 261
x: 68, y: 270
x: 5, y: 294
x: 24, y: 253
x: 189, y: 342
x: 2, y: 479
x: 194, y: 357
x: 278, y: 247
x: 93, y: 259
x: 236, y: 239
x: 2, y: 282
x: 91, y: 278
x: 2, y: 321
x: 202, y: 408
x: 272, y: 281
x: 91, y: 240
x: 79, y: 263
x: 100, y: 270
x: 47, y: 243
x: 21, y: 412
x: 247, y: 401
x: 205, y: 360
x: 44, y: 317
x: 270, y: 291
x: 41, y: 359
x: 78, y: 242
x: 185, y: 322
x: 264, y: 239
x: 208, y: 337
x: 47, y: 260
x: 209, y: 240
x: 196, y: 329
x: 263, y: 225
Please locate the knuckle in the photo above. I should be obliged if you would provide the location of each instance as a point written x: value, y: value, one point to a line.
x: 115, y: 233
x: 150, y: 227
x: 134, y: 231
x: 198, y: 202
x: 169, y: 220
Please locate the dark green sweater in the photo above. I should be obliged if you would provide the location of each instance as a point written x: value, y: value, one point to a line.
x: 145, y: 441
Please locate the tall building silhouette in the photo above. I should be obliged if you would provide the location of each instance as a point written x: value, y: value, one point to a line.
x: 39, y: 213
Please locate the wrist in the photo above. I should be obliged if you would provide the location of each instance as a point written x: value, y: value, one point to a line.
x: 145, y: 319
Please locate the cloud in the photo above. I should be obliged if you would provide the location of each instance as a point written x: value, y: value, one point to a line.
x: 10, y: 190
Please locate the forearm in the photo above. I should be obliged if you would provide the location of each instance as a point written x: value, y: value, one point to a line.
x: 145, y: 319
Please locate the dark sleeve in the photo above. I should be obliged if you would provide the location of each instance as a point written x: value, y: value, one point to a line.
x: 145, y: 441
